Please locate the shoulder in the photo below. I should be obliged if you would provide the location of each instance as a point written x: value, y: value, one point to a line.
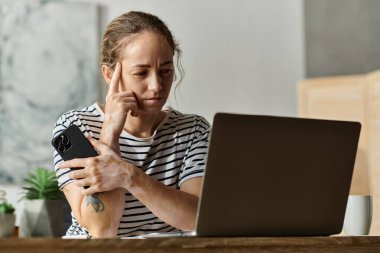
x: 178, y: 124
x: 178, y: 118
x: 74, y: 117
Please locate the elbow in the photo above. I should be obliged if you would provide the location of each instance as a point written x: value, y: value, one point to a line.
x: 189, y: 225
x: 107, y: 232
x: 189, y: 222
x: 100, y: 229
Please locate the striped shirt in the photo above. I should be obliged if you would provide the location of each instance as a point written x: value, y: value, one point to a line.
x: 176, y: 152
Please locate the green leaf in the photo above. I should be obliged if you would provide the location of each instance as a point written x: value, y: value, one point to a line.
x: 6, y: 208
x: 41, y: 184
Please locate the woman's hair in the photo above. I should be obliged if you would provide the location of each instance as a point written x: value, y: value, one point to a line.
x: 129, y: 24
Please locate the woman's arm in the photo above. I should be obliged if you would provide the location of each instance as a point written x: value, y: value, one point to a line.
x: 107, y: 171
x: 99, y: 213
x: 176, y: 207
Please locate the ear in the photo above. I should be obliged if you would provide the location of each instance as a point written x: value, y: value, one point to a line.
x: 107, y: 73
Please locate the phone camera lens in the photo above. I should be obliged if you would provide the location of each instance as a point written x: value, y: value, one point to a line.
x: 57, y: 142
x: 65, y: 140
x: 61, y: 148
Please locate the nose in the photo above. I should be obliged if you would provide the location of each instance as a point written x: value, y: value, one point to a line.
x: 155, y: 83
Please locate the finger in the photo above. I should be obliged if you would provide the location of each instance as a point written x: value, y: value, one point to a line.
x: 120, y: 85
x: 78, y: 174
x: 130, y: 97
x: 74, y: 163
x: 134, y: 110
x: 129, y: 106
x: 82, y: 182
x: 89, y: 191
x: 128, y: 102
x: 121, y: 96
x: 127, y: 97
x: 127, y: 93
x: 120, y: 88
x: 114, y: 84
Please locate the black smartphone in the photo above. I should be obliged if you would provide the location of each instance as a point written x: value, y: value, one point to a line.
x: 72, y: 143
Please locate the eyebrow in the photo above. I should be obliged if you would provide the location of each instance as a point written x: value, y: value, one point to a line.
x: 147, y: 65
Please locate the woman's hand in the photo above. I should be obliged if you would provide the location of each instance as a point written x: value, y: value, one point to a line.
x: 101, y: 173
x: 118, y: 104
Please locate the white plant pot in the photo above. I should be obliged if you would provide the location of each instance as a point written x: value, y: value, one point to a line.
x: 41, y: 218
x: 7, y: 224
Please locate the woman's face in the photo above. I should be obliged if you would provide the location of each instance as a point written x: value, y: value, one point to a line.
x: 148, y: 70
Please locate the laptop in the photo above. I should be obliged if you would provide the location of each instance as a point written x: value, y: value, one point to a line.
x: 275, y: 176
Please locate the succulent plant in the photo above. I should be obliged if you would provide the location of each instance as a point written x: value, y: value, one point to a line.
x: 41, y: 183
x: 6, y: 207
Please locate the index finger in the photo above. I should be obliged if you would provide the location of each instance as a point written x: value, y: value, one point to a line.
x: 74, y: 163
x: 114, y: 84
x: 77, y: 174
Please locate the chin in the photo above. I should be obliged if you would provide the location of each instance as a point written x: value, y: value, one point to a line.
x: 151, y: 109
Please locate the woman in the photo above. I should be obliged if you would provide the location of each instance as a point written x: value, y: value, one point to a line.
x: 147, y: 177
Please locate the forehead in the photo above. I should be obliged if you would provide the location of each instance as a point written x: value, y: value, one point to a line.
x: 147, y: 47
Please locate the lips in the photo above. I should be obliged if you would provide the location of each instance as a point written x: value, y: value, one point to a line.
x: 154, y: 101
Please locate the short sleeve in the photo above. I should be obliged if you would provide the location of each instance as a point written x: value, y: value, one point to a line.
x: 194, y: 162
x: 61, y: 174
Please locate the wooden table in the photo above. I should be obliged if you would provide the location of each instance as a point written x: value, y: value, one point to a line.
x: 194, y: 245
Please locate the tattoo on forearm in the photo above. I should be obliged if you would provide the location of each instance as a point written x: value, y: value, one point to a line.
x: 95, y: 202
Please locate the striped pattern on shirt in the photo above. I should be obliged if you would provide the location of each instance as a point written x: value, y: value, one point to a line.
x: 175, y: 153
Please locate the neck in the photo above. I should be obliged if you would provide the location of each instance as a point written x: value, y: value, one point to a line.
x: 143, y: 126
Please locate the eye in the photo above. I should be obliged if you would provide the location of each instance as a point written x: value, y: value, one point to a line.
x: 165, y: 71
x: 140, y: 73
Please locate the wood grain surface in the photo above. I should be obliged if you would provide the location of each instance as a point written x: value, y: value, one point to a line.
x: 360, y: 244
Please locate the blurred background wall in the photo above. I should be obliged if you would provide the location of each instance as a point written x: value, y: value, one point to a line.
x: 342, y: 37
x: 48, y: 58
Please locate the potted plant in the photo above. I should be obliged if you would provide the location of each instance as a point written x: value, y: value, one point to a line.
x: 7, y: 217
x: 42, y: 205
